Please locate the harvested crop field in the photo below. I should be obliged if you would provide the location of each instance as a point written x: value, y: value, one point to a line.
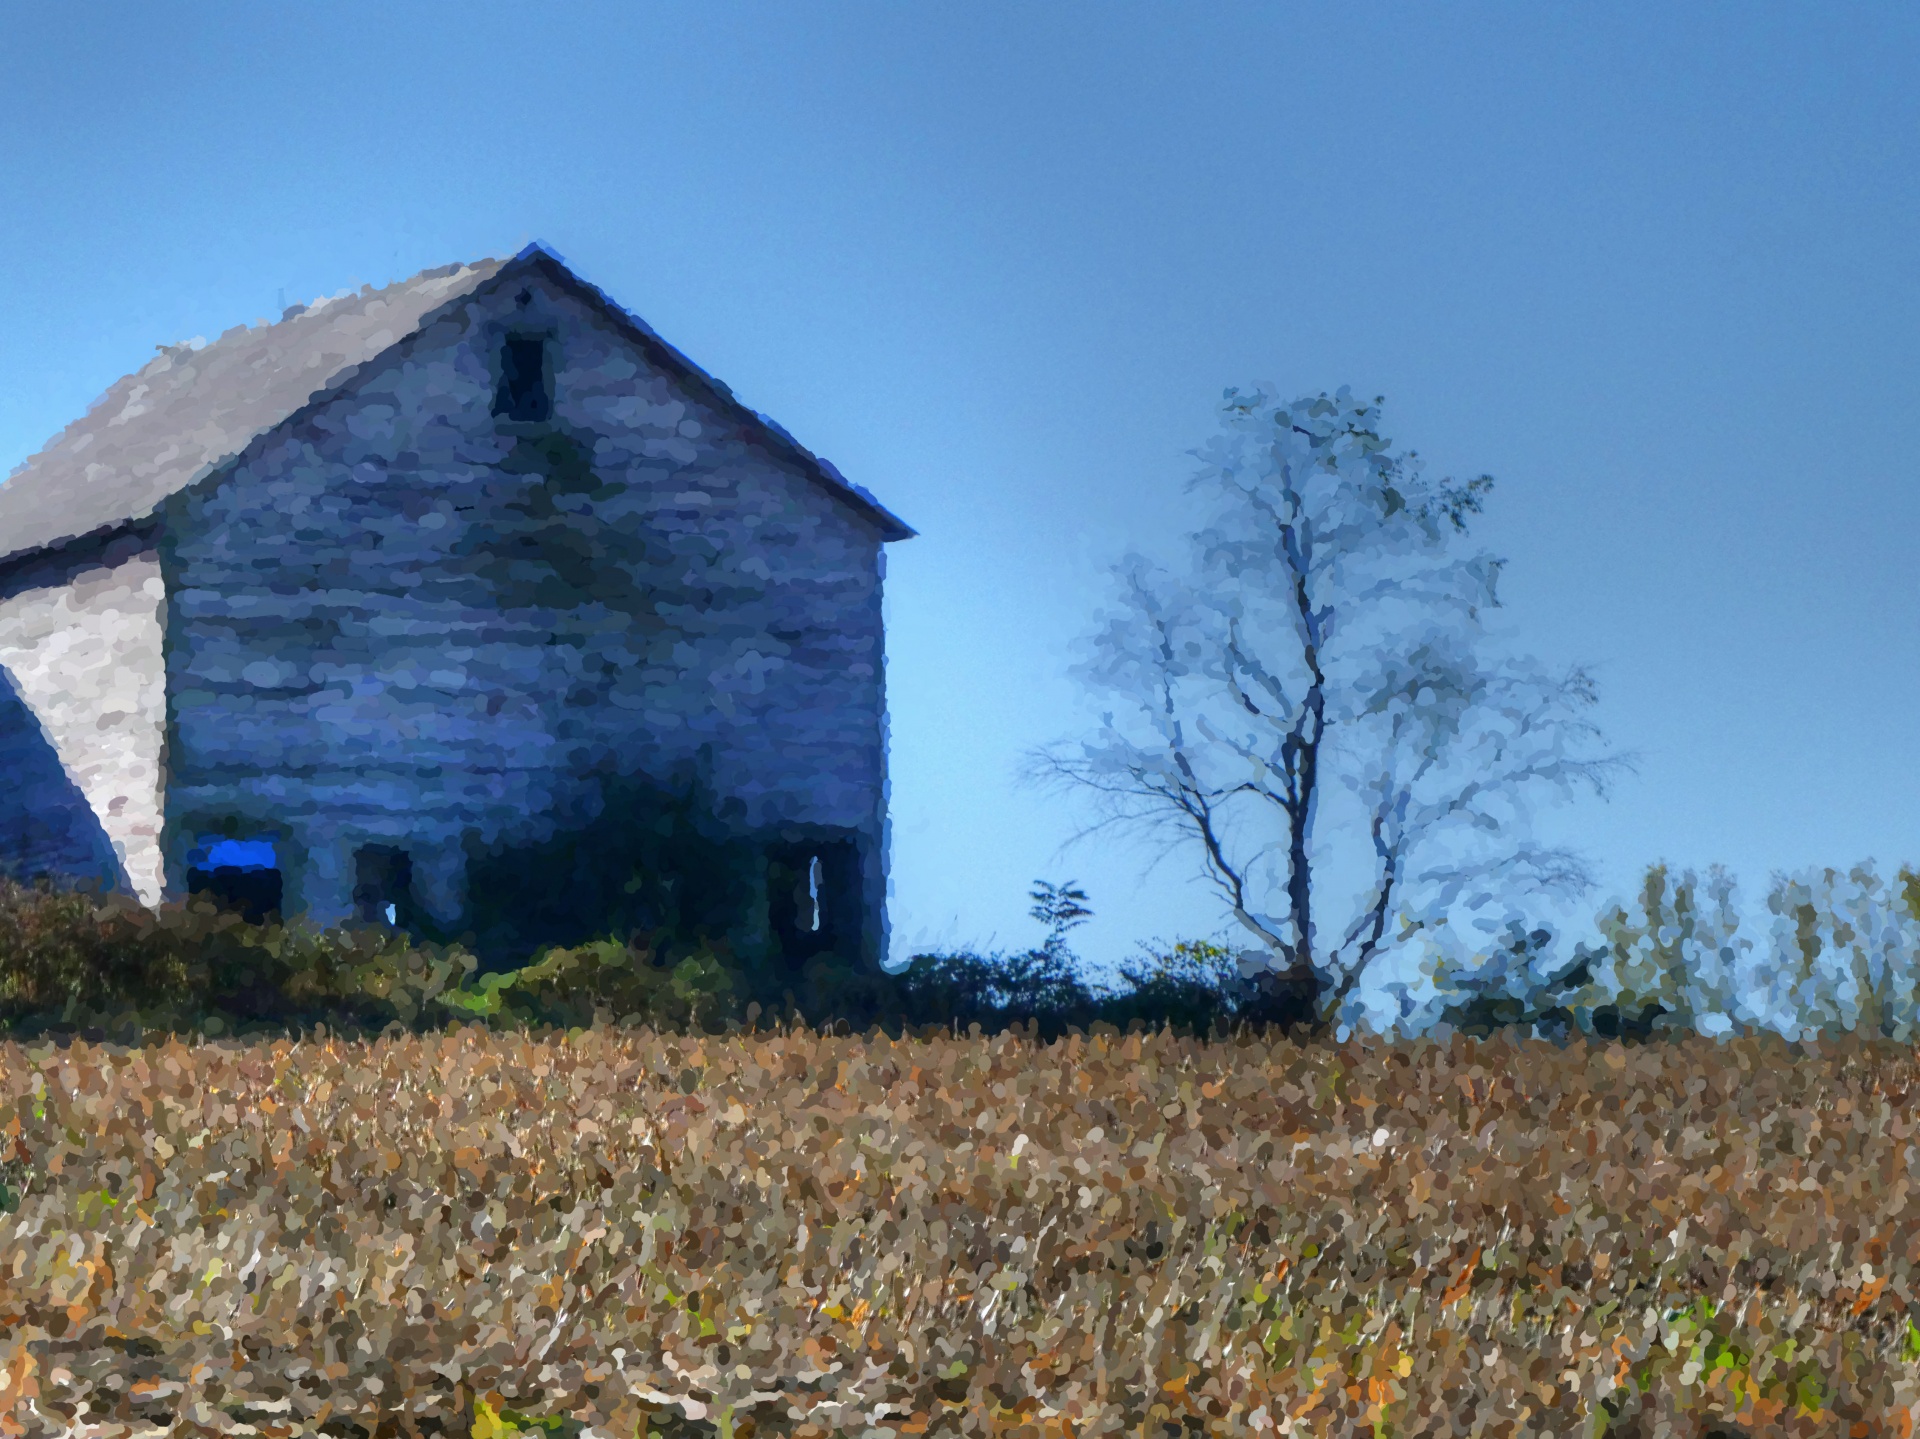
x: 807, y: 1235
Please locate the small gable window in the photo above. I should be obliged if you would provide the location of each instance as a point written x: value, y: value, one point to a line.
x: 523, y: 392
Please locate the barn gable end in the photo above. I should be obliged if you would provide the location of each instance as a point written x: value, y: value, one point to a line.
x: 521, y: 566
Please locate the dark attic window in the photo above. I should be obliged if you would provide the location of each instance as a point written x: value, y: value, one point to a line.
x: 523, y: 393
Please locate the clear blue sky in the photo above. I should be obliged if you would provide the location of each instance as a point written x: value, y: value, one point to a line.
x: 1653, y: 267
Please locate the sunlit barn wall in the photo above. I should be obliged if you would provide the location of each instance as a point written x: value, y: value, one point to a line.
x: 80, y: 715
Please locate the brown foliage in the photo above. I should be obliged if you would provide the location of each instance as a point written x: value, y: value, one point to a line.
x: 807, y: 1235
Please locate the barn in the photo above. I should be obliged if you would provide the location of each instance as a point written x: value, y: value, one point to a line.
x: 467, y: 601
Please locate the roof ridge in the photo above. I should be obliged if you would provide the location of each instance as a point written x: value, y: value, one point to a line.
x: 367, y: 291
x: 299, y: 309
x: 194, y: 405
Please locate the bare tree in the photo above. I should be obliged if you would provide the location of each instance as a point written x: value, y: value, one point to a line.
x: 1326, y: 639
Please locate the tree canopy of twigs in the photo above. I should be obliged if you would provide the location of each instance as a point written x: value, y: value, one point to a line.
x: 1319, y: 673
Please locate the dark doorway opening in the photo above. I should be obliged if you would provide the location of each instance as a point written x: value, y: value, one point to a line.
x: 241, y: 875
x: 813, y: 898
x: 653, y: 866
x: 383, y: 886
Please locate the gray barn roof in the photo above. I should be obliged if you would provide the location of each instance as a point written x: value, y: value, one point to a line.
x: 189, y: 411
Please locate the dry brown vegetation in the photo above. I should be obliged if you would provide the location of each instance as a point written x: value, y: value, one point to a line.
x: 797, y: 1234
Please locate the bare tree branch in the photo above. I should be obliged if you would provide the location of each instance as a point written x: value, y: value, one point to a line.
x: 1326, y: 626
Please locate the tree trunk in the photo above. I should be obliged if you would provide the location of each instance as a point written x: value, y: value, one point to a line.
x: 1288, y: 998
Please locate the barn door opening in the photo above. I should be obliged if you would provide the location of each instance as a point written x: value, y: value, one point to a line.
x: 383, y: 885
x: 242, y: 875
x: 813, y: 898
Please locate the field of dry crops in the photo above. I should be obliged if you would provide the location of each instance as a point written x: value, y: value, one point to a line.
x: 794, y: 1234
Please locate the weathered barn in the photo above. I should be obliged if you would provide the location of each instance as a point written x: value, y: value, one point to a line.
x: 424, y: 587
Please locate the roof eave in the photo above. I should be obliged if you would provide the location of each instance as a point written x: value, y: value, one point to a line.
x: 78, y: 547
x: 770, y: 432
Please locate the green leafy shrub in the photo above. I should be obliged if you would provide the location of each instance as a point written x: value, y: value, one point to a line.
x: 1835, y: 953
x: 1520, y: 985
x: 1194, y: 986
x: 73, y: 959
x: 996, y: 991
x: 67, y: 953
x: 606, y: 980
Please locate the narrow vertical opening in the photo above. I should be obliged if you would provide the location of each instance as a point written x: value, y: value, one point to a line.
x: 524, y: 393
x: 814, y: 898
x: 383, y: 885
